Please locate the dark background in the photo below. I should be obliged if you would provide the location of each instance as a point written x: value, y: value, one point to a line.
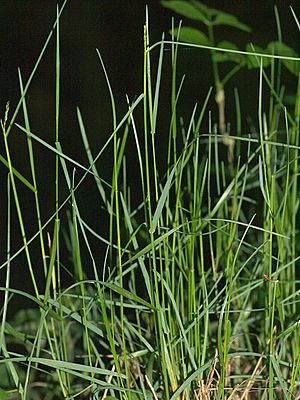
x: 115, y: 27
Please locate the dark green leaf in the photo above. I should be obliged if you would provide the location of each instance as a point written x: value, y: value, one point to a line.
x: 208, y: 11
x: 192, y: 35
x: 281, y: 49
x: 226, y: 56
x: 225, y: 44
x: 254, y: 61
x: 186, y: 9
x: 110, y: 398
x: 223, y: 18
x: 202, y: 7
x: 18, y: 175
x: 3, y: 395
x: 129, y: 295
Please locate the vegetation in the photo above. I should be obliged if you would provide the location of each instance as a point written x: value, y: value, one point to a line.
x: 197, y: 296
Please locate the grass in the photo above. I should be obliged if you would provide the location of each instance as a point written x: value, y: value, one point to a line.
x: 197, y: 296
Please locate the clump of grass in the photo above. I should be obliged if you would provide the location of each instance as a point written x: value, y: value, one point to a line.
x: 197, y: 294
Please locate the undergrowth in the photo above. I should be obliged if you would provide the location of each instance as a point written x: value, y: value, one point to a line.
x: 197, y: 294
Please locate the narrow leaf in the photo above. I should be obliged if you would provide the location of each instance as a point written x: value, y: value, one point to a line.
x: 279, y: 377
x: 261, y: 180
x: 162, y: 199
x: 18, y: 175
x: 190, y: 379
x: 129, y: 295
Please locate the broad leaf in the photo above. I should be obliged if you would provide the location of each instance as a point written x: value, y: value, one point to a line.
x: 254, y: 61
x: 223, y: 18
x: 227, y: 56
x: 225, y: 44
x: 281, y: 49
x: 200, y: 12
x: 192, y: 35
x: 186, y: 9
x: 202, y: 7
